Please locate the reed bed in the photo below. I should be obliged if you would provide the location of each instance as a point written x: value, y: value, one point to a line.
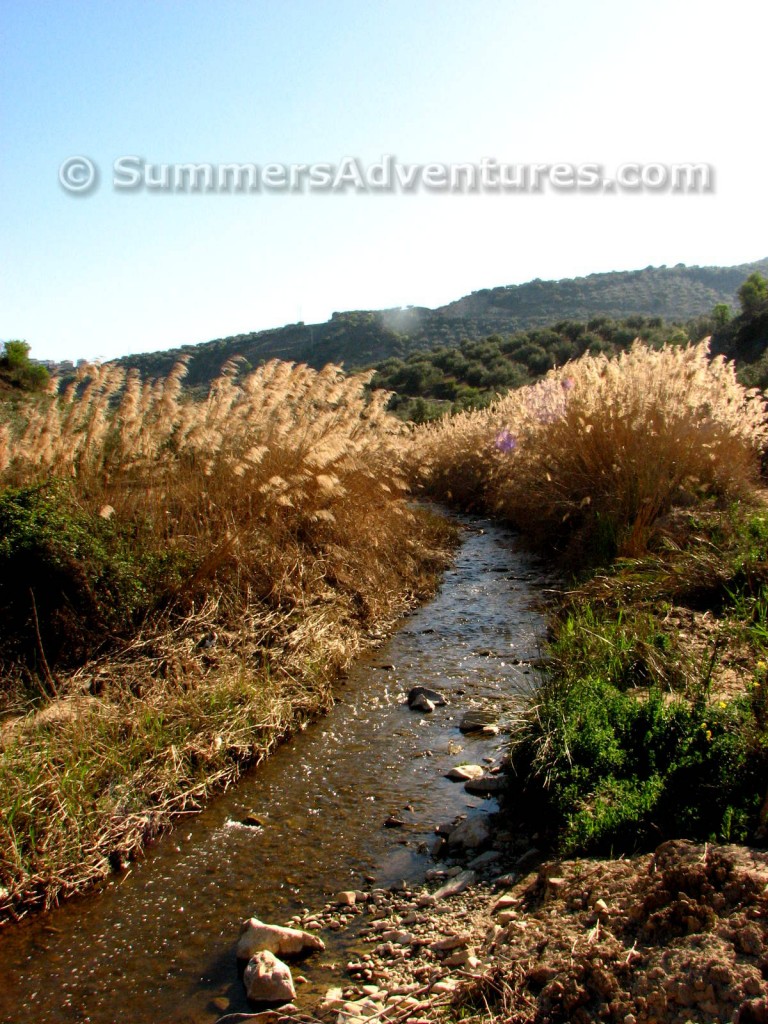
x: 597, y: 451
x: 183, y: 580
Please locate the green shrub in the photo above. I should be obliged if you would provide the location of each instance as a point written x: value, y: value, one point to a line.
x: 628, y: 741
x: 67, y: 577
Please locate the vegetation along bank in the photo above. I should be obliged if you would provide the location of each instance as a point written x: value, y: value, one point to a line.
x: 181, y: 582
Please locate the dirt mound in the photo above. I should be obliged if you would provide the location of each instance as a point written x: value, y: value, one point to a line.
x: 677, y: 936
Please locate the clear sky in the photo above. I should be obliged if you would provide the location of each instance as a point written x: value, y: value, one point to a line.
x: 303, y: 81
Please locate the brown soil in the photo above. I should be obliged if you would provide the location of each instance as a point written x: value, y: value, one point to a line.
x: 677, y: 936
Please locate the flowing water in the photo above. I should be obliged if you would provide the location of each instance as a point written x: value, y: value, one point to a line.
x: 157, y: 943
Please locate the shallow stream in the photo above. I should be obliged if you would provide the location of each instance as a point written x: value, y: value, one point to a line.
x: 156, y: 945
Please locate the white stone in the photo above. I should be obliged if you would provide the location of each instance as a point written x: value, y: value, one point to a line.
x: 465, y: 772
x: 486, y: 785
x: 268, y: 980
x: 256, y: 936
x: 333, y: 999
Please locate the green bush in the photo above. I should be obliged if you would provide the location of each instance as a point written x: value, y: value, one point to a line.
x: 621, y: 750
x: 68, y: 578
x: 18, y: 370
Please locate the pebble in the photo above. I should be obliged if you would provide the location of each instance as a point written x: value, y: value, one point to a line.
x: 450, y: 942
x: 504, y: 903
x: 456, y: 885
x: 443, y: 987
x: 397, y: 937
x: 505, y: 916
x: 458, y: 959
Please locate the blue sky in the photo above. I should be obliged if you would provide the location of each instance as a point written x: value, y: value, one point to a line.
x: 112, y: 272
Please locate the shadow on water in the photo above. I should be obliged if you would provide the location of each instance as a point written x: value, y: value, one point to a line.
x: 157, y: 943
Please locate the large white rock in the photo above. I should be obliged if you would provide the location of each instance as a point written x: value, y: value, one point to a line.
x: 486, y: 785
x: 268, y: 980
x: 256, y: 936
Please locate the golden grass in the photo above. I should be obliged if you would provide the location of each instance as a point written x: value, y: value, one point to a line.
x: 279, y: 500
x: 600, y: 448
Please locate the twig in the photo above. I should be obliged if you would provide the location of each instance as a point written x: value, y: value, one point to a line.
x: 51, y: 682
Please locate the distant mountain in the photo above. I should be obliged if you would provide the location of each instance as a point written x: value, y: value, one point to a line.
x: 362, y: 338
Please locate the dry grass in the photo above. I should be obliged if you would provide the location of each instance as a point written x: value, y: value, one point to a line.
x: 266, y: 533
x: 600, y: 448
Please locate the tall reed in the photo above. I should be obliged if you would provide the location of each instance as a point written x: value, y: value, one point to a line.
x: 262, y: 536
x: 600, y: 448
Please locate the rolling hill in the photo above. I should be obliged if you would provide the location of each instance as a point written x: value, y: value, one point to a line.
x: 363, y: 338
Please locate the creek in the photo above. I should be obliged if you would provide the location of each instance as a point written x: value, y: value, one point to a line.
x: 156, y: 943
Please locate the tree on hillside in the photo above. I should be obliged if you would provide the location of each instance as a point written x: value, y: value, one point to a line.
x: 753, y: 293
x: 721, y: 314
x: 18, y: 370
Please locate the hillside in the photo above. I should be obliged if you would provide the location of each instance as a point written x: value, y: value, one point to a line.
x: 362, y: 338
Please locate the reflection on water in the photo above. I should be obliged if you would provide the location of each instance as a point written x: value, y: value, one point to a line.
x: 157, y: 944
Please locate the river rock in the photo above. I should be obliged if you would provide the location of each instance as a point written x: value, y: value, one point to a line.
x: 484, y: 859
x: 254, y: 820
x: 486, y: 785
x: 397, y: 937
x: 477, y: 721
x: 422, y: 703
x: 256, y: 936
x: 268, y: 980
x: 434, y: 696
x: 449, y: 943
x: 470, y: 833
x: 332, y: 1000
x: 465, y: 772
x: 358, y: 1011
x: 456, y: 885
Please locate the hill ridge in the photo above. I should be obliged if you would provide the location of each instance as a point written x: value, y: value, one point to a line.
x: 361, y: 338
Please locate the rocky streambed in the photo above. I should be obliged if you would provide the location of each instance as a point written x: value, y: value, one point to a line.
x: 375, y: 837
x: 349, y: 804
x: 678, y: 936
